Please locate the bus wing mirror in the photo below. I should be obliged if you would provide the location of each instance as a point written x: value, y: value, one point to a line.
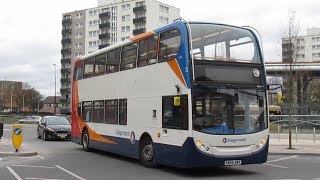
x: 177, y: 101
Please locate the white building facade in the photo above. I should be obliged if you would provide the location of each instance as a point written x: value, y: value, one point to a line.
x: 307, y: 48
x: 88, y: 30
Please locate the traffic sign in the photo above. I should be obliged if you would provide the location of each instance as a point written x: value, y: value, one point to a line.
x: 17, y: 136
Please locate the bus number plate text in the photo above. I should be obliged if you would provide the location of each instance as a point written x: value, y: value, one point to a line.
x: 232, y: 162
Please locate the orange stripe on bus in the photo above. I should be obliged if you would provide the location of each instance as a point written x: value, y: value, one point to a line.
x: 176, y: 69
x: 142, y: 36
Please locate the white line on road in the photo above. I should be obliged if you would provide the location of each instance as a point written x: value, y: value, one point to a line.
x: 72, y: 174
x: 275, y: 165
x: 40, y: 178
x: 48, y: 167
x: 14, y: 173
x: 282, y: 159
x: 40, y: 157
x: 1, y: 159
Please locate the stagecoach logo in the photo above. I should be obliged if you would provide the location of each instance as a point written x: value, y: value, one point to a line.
x: 256, y: 73
x: 132, y: 137
x: 233, y: 140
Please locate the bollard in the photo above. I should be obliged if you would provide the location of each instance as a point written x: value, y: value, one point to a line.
x: 278, y: 133
x: 314, y: 134
x: 296, y: 134
x: 1, y: 130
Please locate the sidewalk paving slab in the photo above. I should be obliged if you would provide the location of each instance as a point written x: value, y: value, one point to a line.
x: 305, y: 147
x: 7, y: 149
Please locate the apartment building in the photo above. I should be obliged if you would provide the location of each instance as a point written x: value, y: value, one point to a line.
x: 88, y: 30
x: 304, y: 48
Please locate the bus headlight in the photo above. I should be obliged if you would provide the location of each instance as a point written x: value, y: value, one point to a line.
x: 260, y: 144
x: 203, y: 146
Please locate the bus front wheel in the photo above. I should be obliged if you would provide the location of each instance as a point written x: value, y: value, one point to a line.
x: 146, y: 153
x: 85, y: 140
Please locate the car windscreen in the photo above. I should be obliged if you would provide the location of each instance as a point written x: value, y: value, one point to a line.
x: 57, y: 121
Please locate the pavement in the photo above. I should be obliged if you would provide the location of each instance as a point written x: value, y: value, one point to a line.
x: 306, y: 144
x: 7, y: 149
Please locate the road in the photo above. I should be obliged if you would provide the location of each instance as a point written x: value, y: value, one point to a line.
x: 65, y: 160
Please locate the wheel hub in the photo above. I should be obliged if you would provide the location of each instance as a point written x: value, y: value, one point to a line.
x: 147, y: 152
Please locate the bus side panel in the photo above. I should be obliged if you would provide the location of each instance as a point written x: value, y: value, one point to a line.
x: 188, y: 156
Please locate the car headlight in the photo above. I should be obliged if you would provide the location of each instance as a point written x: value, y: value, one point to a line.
x: 203, y: 146
x: 260, y: 144
x: 50, y: 129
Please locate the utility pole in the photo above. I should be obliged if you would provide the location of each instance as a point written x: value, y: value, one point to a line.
x: 23, y: 101
x: 55, y: 89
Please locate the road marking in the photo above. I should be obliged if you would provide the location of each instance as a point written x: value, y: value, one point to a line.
x: 275, y: 165
x: 48, y: 167
x: 276, y: 160
x: 14, y: 173
x: 40, y: 178
x: 72, y: 174
x: 40, y: 157
x: 1, y: 159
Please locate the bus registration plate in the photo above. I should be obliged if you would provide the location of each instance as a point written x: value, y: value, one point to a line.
x: 232, y: 162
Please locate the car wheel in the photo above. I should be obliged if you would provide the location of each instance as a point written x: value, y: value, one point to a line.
x: 146, y: 153
x: 85, y: 140
x: 45, y: 136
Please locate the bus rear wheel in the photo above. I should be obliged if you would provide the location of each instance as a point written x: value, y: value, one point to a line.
x: 85, y: 140
x: 146, y: 153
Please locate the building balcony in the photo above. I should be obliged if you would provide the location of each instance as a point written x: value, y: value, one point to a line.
x: 66, y: 21
x: 65, y: 70
x: 66, y: 51
x: 65, y: 60
x: 140, y: 20
x: 139, y: 31
x: 66, y: 40
x: 66, y: 31
x: 64, y: 100
x: 65, y: 80
x: 105, y: 15
x: 65, y: 90
x: 103, y: 46
x: 104, y: 36
x: 139, y: 9
x: 104, y: 25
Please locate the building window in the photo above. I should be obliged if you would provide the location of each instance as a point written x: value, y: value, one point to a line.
x: 123, y: 111
x: 94, y: 43
x: 111, y: 114
x: 93, y: 33
x: 169, y: 45
x: 67, y: 17
x: 78, y: 45
x: 87, y: 111
x: 94, y: 22
x: 77, y: 55
x: 78, y: 25
x: 148, y: 51
x: 94, y: 12
x: 78, y: 15
x: 125, y: 7
x: 125, y: 18
x: 125, y: 29
x: 124, y: 38
x: 164, y: 9
x: 98, y: 112
x: 164, y: 19
x: 78, y: 35
x: 141, y: 3
x: 128, y: 56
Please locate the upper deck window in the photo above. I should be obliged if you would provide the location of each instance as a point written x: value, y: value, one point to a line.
x: 169, y: 45
x: 88, y: 67
x: 128, y: 56
x: 100, y: 64
x: 148, y: 51
x: 223, y: 43
x: 113, y: 60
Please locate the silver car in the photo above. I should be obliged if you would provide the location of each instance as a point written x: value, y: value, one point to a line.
x: 30, y: 120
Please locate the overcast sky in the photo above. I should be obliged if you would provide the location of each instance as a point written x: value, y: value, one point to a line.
x: 30, y: 31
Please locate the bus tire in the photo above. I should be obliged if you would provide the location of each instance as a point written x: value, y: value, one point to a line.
x: 146, y: 152
x: 85, y: 140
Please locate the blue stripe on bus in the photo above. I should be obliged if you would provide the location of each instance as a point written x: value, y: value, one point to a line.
x: 183, y: 55
x: 185, y: 156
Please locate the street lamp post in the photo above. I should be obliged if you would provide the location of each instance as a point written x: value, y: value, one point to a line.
x: 55, y: 88
x: 23, y: 102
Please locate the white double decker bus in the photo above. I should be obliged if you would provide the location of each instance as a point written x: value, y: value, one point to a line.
x: 185, y: 95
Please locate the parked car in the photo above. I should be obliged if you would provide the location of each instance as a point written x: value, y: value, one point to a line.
x: 54, y: 127
x: 30, y: 120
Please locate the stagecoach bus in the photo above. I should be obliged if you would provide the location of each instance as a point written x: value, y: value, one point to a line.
x: 189, y: 94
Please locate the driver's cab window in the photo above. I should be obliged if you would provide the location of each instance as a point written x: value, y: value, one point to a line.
x: 175, y: 115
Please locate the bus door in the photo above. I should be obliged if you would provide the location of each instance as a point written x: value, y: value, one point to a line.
x: 174, y: 114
